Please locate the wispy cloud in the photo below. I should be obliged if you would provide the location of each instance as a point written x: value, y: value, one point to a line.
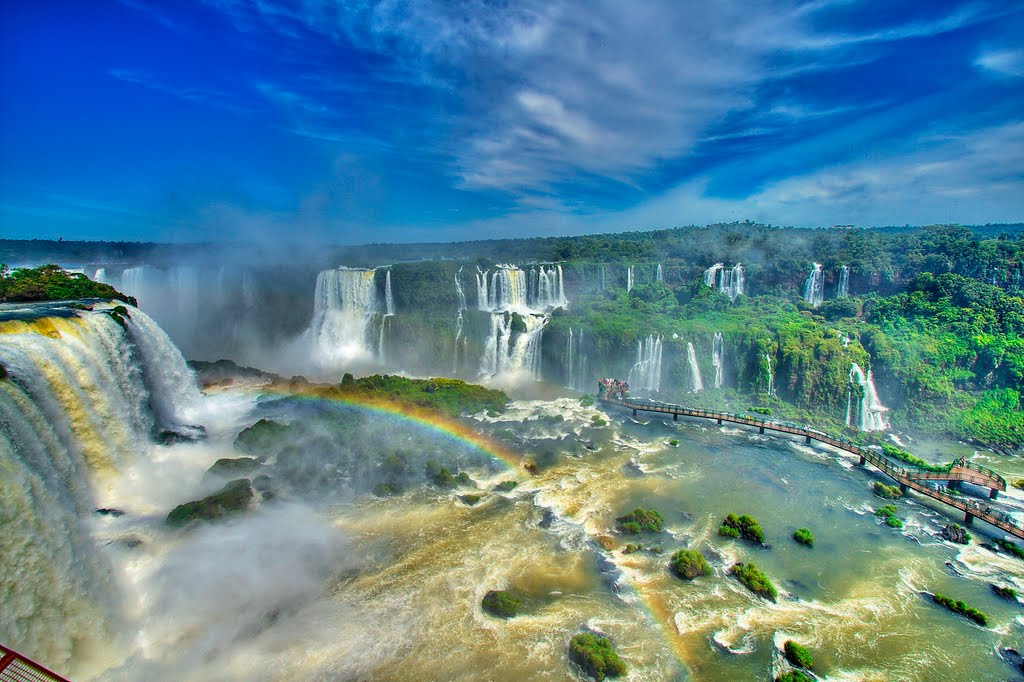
x: 215, y: 98
x: 1009, y: 62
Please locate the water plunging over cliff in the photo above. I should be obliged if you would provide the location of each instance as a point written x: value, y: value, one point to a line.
x: 459, y: 323
x: 646, y: 372
x: 717, y: 360
x: 729, y: 281
x: 659, y: 275
x: 513, y: 345
x: 576, y: 362
x: 770, y: 374
x: 814, y: 287
x: 696, y: 383
x: 629, y: 278
x: 343, y: 309
x: 843, y: 289
x: 869, y: 413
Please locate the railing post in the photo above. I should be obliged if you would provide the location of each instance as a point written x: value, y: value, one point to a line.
x: 903, y: 487
x: 807, y: 439
x: 862, y: 460
x: 675, y: 416
x: 968, y: 518
x: 719, y: 422
x: 760, y: 429
x: 993, y: 494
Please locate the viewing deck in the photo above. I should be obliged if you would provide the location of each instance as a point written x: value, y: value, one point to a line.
x: 907, y: 477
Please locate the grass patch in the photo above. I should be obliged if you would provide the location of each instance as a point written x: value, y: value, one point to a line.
x: 640, y: 520
x: 689, y: 563
x: 804, y: 537
x: 596, y: 656
x: 744, y: 526
x: 755, y: 581
x: 798, y: 655
x: 887, y: 492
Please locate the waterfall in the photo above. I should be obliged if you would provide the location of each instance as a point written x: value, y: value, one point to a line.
x: 511, y: 351
x: 82, y: 397
x: 576, y: 362
x: 343, y: 309
x: 658, y: 274
x: 389, y: 301
x: 459, y: 321
x: 646, y: 372
x: 696, y: 383
x: 870, y: 411
x: 771, y: 375
x: 629, y: 278
x: 729, y: 281
x: 814, y: 287
x: 717, y: 361
x: 844, y: 282
x: 482, y: 295
x: 101, y: 276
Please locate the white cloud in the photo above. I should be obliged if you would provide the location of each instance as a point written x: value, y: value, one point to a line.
x: 1002, y: 62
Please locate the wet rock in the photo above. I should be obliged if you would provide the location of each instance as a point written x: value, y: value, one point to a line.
x: 232, y: 498
x: 1007, y: 593
x: 956, y: 533
x: 547, y: 519
x: 127, y: 542
x: 605, y: 541
x: 185, y: 433
x: 1013, y: 657
x: 110, y: 512
x: 233, y: 467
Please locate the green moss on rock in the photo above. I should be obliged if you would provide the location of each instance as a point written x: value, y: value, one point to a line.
x: 596, y: 656
x: 232, y: 498
x: 755, y: 580
x: 689, y: 563
x: 640, y: 520
x: 238, y: 466
x: 798, y: 655
x: 804, y: 537
x: 501, y: 604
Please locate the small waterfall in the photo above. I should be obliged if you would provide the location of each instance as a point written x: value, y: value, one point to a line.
x: 459, y: 321
x: 629, y: 278
x: 814, y: 287
x: 843, y: 289
x: 717, y: 361
x: 343, y: 309
x: 482, y: 295
x: 509, y: 351
x: 696, y: 383
x: 771, y: 374
x: 870, y: 411
x: 729, y: 281
x: 389, y: 301
x: 659, y: 276
x: 575, y: 362
x: 646, y: 372
x: 101, y: 276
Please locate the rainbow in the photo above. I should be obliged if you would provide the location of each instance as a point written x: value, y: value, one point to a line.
x: 446, y: 427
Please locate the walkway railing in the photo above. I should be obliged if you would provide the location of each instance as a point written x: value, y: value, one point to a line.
x: 906, y: 476
x: 17, y: 668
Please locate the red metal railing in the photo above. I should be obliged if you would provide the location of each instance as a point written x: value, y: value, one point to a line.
x: 17, y: 668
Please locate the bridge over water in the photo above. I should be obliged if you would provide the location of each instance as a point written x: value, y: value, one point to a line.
x: 908, y: 477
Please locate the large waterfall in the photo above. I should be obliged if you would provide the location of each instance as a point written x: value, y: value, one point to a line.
x: 343, y: 310
x: 576, y: 362
x: 696, y: 383
x: 511, y: 350
x: 646, y: 372
x: 868, y: 414
x: 85, y: 392
x: 814, y: 287
x: 718, y: 360
x: 389, y: 312
x: 843, y: 290
x: 729, y: 281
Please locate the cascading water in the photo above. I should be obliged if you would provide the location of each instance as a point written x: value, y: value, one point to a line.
x: 646, y: 372
x: 629, y: 278
x: 459, y: 321
x: 511, y: 350
x: 770, y: 374
x: 576, y: 362
x: 870, y: 414
x: 814, y: 287
x: 729, y: 281
x: 717, y: 360
x: 843, y: 290
x: 696, y: 383
x: 343, y: 309
x: 659, y: 274
x: 83, y: 394
x: 389, y: 311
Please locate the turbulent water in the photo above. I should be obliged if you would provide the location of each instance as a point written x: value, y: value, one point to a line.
x: 328, y: 581
x: 345, y: 303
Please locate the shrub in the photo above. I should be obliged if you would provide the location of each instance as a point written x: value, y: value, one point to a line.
x: 728, y: 532
x: 888, y: 492
x: 598, y: 420
x: 746, y: 527
x: 755, y: 581
x: 962, y: 608
x: 907, y: 458
x: 233, y: 497
x: 506, y: 486
x: 630, y: 548
x: 1005, y: 592
x: 501, y: 604
x: 798, y: 655
x: 804, y: 537
x: 596, y: 656
x: 470, y: 499
x: 674, y: 442
x: 386, y: 490
x: 893, y: 522
x: 640, y: 520
x: 766, y: 411
x: 1011, y: 547
x: 587, y: 401
x: 1019, y: 483
x: 794, y: 676
x: 689, y: 563
x: 887, y: 510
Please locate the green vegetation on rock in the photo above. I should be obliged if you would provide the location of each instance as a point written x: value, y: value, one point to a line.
x: 804, y: 537
x: 961, y: 608
x: 53, y: 283
x: 233, y: 497
x: 238, y: 466
x: 794, y: 676
x: 1007, y: 593
x: 596, y: 656
x: 744, y: 526
x: 903, y: 456
x: 501, y: 604
x: 1011, y: 547
x: 640, y: 520
x: 755, y: 580
x: 887, y: 492
x: 689, y: 563
x: 798, y: 655
x: 587, y: 401
x: 386, y: 490
x: 506, y: 486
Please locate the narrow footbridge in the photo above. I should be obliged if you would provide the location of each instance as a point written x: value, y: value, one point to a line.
x: 938, y: 485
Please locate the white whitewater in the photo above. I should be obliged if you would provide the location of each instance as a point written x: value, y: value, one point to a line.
x: 771, y: 374
x: 659, y: 274
x: 459, y: 322
x: 645, y: 374
x: 389, y: 312
x: 511, y: 352
x: 343, y: 309
x: 814, y: 287
x: 696, y: 383
x: 729, y: 281
x: 870, y: 414
x: 82, y: 398
x: 718, y: 360
x: 629, y: 278
x: 843, y: 290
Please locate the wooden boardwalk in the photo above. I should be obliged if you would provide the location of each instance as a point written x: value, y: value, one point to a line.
x: 908, y: 477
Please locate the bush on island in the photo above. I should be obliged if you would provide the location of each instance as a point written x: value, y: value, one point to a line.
x: 506, y: 486
x: 804, y: 537
x: 1005, y: 592
x: 888, y: 492
x: 640, y: 520
x: 794, y: 676
x: 961, y: 608
x: 755, y: 581
x: 501, y: 604
x: 689, y: 563
x: 587, y: 401
x: 596, y: 656
x: 745, y: 526
x: 798, y: 655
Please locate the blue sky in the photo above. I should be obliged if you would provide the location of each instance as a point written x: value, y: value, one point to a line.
x: 420, y: 120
